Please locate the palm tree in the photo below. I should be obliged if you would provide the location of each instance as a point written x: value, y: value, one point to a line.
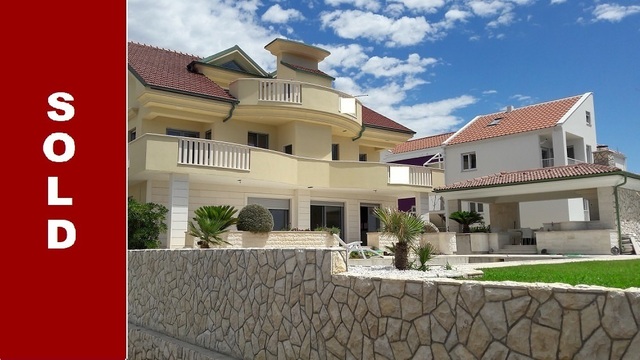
x: 210, y: 222
x: 466, y: 219
x: 405, y: 227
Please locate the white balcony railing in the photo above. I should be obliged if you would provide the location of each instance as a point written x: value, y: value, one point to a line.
x: 213, y: 154
x: 571, y: 161
x: 547, y: 162
x: 280, y: 90
x: 410, y: 175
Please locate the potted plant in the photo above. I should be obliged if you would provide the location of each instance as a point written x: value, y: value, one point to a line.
x: 466, y: 219
x: 406, y: 227
x: 210, y: 222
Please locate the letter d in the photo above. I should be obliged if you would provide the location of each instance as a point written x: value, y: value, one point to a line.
x: 53, y: 226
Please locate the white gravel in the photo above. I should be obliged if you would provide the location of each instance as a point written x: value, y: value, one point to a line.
x: 390, y: 272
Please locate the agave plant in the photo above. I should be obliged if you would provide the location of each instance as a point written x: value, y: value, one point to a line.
x: 210, y: 222
x: 405, y: 227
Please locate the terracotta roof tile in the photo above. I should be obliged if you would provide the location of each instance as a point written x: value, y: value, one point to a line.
x: 528, y: 118
x: 525, y: 176
x: 168, y: 69
x: 421, y: 143
x: 374, y: 119
x: 302, y: 68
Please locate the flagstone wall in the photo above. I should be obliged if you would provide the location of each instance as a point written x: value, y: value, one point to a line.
x: 301, y: 304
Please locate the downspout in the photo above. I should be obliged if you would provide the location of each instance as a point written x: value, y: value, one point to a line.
x: 615, y: 195
x: 359, y: 134
x: 233, y: 107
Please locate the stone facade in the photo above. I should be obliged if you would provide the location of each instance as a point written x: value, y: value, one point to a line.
x: 301, y: 304
x: 629, y: 203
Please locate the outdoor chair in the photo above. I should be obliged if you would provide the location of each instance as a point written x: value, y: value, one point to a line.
x: 351, y: 246
x: 527, y: 236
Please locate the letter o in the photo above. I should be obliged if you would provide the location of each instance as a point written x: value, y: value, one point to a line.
x: 69, y: 147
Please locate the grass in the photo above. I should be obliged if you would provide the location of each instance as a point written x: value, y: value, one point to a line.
x: 615, y: 274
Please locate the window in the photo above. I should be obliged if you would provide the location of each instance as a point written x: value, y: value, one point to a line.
x: 326, y: 214
x: 335, y: 152
x: 495, y: 121
x: 589, y: 154
x: 477, y: 207
x: 279, y: 209
x: 588, y: 117
x: 183, y: 133
x: 132, y: 134
x: 362, y: 157
x: 207, y: 134
x: 469, y: 161
x: 288, y: 149
x: 258, y: 140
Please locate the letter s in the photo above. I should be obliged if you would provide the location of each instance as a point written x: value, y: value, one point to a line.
x: 67, y: 109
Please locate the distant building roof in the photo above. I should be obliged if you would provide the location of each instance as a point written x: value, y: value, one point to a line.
x: 421, y: 143
x: 533, y: 175
x: 513, y: 121
x: 167, y: 69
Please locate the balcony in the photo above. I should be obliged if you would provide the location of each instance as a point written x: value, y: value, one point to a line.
x: 217, y: 161
x: 327, y: 104
x: 548, y: 162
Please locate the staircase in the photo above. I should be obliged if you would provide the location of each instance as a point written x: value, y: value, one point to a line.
x: 517, y: 249
x: 628, y: 247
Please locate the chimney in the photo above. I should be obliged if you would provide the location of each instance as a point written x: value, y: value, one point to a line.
x: 509, y: 108
x: 603, y: 156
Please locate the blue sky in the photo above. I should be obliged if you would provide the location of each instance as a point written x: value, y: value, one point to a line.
x: 433, y: 65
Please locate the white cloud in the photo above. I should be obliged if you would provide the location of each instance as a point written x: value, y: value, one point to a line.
x: 372, y: 5
x: 355, y: 24
x: 428, y: 6
x: 430, y: 118
x: 486, y: 8
x: 278, y: 15
x: 390, y: 67
x: 343, y: 57
x: 553, y: 2
x: 187, y: 27
x: 525, y: 99
x: 614, y: 12
x: 488, y: 92
x: 457, y: 15
x: 504, y: 19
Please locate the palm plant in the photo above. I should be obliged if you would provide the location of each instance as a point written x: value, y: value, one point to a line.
x: 210, y: 222
x: 405, y: 227
x: 466, y: 219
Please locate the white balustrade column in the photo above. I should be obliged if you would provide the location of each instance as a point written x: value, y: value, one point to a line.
x: 178, y: 216
x: 422, y: 205
x: 301, y: 212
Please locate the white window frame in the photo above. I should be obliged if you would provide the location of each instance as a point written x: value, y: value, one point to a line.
x: 472, y: 165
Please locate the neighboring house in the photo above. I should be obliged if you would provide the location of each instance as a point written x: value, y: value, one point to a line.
x: 221, y: 130
x: 554, y: 133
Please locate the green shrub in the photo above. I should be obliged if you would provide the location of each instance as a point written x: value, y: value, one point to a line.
x: 424, y: 253
x: 210, y: 222
x: 145, y: 223
x: 255, y: 218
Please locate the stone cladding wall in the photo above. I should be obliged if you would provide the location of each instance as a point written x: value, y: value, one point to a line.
x: 301, y: 304
x: 629, y: 202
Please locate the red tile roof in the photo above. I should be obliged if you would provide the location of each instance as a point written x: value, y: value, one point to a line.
x: 377, y: 120
x: 528, y: 118
x: 422, y: 143
x: 533, y: 175
x: 302, y: 68
x: 167, y: 69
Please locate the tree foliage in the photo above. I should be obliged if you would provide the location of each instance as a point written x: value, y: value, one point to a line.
x: 466, y: 219
x: 255, y: 218
x: 405, y: 227
x: 145, y: 223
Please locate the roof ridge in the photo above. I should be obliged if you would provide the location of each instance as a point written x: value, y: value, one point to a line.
x: 163, y: 49
x: 533, y: 105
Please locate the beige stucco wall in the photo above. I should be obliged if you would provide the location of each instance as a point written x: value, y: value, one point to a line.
x: 300, y: 304
x: 586, y: 242
x: 504, y: 216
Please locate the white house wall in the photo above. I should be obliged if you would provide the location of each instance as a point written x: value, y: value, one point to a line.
x: 576, y: 124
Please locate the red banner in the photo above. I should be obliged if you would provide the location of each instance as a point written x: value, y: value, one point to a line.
x: 63, y: 250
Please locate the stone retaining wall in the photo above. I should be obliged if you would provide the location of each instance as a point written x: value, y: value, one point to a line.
x: 301, y: 304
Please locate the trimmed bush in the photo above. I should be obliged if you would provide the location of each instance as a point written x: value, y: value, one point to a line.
x: 255, y: 218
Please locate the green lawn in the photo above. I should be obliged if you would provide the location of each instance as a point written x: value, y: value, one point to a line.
x: 616, y: 274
